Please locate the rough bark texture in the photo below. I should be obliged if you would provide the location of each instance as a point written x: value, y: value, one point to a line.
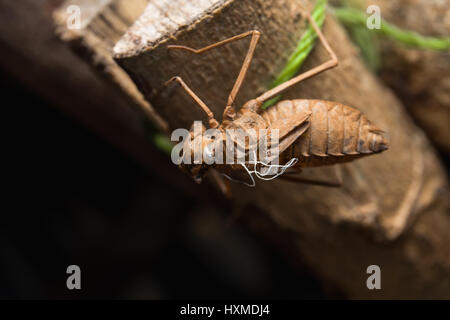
x: 103, y: 22
x: 391, y: 211
x: 421, y: 78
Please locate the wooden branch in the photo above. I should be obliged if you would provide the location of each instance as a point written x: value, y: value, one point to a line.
x: 337, y: 229
x: 103, y: 23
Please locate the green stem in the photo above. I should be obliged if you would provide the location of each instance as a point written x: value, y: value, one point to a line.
x: 406, y: 37
x: 304, y: 47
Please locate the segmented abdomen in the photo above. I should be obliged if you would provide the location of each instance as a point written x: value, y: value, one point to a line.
x: 337, y: 133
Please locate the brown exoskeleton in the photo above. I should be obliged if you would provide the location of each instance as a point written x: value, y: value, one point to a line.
x: 316, y: 132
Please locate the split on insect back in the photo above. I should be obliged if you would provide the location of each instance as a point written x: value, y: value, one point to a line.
x: 279, y: 141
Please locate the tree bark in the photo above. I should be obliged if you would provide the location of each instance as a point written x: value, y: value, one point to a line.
x: 392, y: 208
x: 103, y: 22
x: 421, y: 78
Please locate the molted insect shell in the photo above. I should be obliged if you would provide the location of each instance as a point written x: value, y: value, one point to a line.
x: 336, y: 133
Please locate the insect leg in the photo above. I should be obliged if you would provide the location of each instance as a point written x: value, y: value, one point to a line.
x: 223, y: 184
x: 217, y: 44
x: 333, y: 62
x: 213, y: 123
x: 229, y: 111
x: 288, y: 176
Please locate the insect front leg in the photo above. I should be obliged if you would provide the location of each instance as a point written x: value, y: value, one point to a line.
x: 292, y: 176
x: 222, y: 183
x: 230, y: 112
x: 333, y: 62
x: 213, y: 123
